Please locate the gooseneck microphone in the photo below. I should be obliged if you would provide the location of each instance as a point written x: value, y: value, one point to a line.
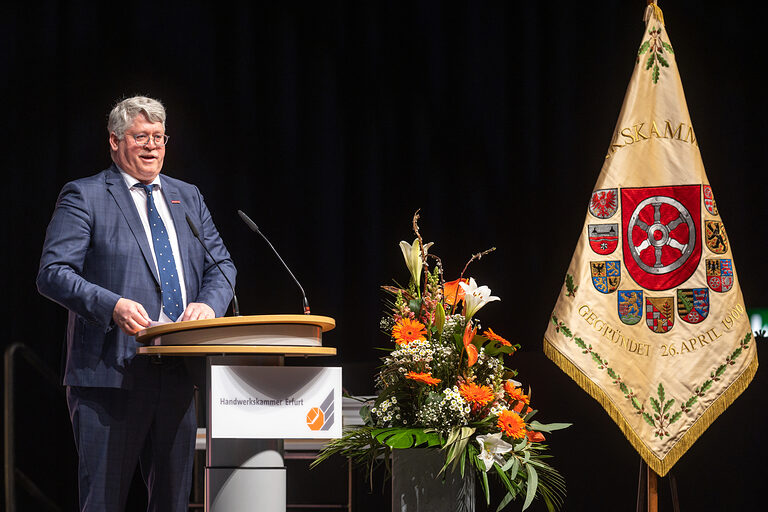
x: 256, y: 229
x: 196, y: 233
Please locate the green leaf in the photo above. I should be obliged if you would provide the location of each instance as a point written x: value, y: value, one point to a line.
x: 580, y: 343
x: 484, y: 485
x: 660, y: 392
x: 655, y: 405
x: 495, y: 348
x: 649, y: 62
x: 458, y: 338
x: 649, y: 419
x: 548, y: 427
x: 667, y: 47
x: 405, y: 437
x: 505, y: 480
x: 566, y: 331
x: 452, y: 436
x: 456, y: 445
x: 532, y: 484
x: 662, y: 61
x: 504, y: 502
x: 365, y: 414
x: 570, y: 286
x: 401, y: 440
x: 636, y: 403
x: 668, y: 404
x: 515, y: 467
x: 675, y: 417
x: 643, y: 48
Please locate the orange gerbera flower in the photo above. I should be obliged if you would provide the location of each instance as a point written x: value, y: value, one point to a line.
x: 511, y: 424
x: 516, y: 393
x: 453, y: 293
x: 426, y: 378
x: 407, y: 330
x: 495, y: 337
x: 476, y: 395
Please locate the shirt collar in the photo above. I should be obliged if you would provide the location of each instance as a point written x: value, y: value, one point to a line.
x: 130, y: 181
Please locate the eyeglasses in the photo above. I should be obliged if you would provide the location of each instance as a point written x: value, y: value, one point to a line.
x: 142, y: 139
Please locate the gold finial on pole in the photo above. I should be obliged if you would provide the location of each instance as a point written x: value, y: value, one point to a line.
x: 654, y: 10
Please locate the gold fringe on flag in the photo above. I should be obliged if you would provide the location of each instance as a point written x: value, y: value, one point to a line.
x: 660, y: 466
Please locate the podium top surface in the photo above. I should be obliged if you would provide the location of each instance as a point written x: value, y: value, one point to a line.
x: 324, y: 322
x: 206, y: 350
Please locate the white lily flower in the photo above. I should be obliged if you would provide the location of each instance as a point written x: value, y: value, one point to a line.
x: 412, y: 255
x: 475, y: 297
x: 491, y: 448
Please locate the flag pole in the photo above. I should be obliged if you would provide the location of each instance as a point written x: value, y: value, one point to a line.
x: 652, y: 489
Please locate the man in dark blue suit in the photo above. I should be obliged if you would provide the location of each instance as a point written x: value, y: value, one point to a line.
x: 118, y: 254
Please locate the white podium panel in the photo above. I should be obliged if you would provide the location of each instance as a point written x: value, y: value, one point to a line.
x: 275, y: 402
x: 245, y: 489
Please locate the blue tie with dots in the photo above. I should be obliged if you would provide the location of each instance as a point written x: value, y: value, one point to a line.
x: 166, y: 264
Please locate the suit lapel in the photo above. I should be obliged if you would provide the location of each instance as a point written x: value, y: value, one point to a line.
x: 121, y: 194
x: 183, y: 234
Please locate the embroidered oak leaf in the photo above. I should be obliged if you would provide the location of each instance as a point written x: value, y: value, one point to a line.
x: 655, y: 47
x: 569, y: 285
x: 675, y: 417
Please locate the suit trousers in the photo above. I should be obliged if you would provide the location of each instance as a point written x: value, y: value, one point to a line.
x: 152, y: 426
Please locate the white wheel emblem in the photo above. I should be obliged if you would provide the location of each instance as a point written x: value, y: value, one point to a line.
x: 658, y: 237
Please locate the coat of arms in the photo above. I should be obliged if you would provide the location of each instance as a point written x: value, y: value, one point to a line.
x: 603, y: 238
x: 606, y: 275
x: 717, y: 240
x: 692, y: 304
x: 709, y: 200
x: 659, y: 313
x: 661, y: 241
x: 720, y: 275
x: 630, y: 306
x: 604, y: 203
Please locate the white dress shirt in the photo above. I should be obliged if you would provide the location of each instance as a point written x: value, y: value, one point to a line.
x: 140, y: 200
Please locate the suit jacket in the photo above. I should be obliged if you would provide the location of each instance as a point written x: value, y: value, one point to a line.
x: 96, y: 251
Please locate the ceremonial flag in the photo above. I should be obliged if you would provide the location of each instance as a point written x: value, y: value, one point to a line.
x: 650, y: 320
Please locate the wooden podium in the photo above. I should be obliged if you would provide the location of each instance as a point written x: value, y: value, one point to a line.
x: 245, y: 473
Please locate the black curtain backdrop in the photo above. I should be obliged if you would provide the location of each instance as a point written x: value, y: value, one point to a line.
x: 331, y: 123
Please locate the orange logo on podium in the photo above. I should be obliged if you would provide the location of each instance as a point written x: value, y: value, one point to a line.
x: 315, y: 418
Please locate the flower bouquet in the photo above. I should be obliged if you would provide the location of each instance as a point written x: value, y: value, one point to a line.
x: 444, y: 385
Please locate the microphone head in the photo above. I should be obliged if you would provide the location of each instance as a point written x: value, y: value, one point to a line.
x: 248, y: 221
x: 192, y: 227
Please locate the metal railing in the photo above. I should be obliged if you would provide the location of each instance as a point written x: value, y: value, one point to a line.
x: 14, y: 475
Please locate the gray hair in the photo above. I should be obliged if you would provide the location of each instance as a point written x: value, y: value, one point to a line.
x: 126, y: 111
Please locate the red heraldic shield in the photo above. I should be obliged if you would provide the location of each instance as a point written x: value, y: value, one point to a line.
x: 661, y: 234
